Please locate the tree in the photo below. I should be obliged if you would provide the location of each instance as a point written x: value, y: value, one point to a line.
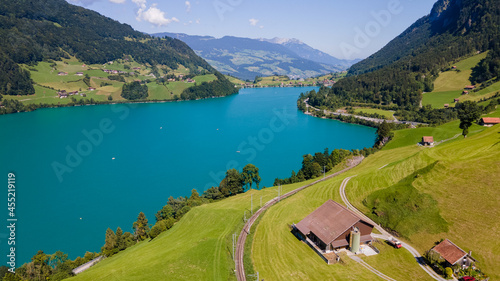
x: 120, y: 243
x: 110, y: 243
x: 165, y: 213
x: 233, y: 183
x: 250, y: 175
x: 158, y: 228
x: 468, y: 113
x: 384, y: 133
x: 141, y: 227
x: 57, y: 259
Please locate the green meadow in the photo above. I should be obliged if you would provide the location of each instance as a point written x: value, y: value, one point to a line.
x: 388, y: 114
x: 450, y: 85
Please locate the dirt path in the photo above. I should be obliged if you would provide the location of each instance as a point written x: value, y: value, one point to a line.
x: 87, y: 265
x: 385, y: 235
x: 240, y: 245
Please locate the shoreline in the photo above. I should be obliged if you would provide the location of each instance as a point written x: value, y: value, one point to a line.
x: 42, y: 105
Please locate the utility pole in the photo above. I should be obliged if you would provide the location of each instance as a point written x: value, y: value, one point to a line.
x: 255, y: 275
x: 251, y: 203
x: 234, y: 246
x: 324, y: 172
x: 261, y: 201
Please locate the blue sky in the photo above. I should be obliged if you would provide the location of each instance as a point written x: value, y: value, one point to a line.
x: 344, y: 29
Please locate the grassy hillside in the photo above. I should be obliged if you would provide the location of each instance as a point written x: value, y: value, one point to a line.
x: 196, y: 248
x: 48, y: 82
x: 450, y: 84
x: 455, y: 175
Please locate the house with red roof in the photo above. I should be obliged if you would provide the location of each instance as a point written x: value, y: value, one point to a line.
x: 489, y: 121
x: 453, y: 255
x: 331, y: 226
x: 428, y: 141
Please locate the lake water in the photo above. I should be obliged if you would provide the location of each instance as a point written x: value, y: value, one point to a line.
x: 80, y: 170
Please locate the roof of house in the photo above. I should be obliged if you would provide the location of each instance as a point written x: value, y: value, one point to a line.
x: 449, y: 251
x: 329, y: 221
x: 491, y: 120
x: 428, y: 139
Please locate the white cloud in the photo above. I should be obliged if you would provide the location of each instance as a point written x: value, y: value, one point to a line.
x: 253, y: 22
x: 261, y: 27
x: 152, y: 14
x: 198, y: 21
x: 188, y: 6
x: 117, y: 1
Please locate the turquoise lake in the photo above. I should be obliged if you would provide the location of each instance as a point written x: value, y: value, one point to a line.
x: 80, y: 170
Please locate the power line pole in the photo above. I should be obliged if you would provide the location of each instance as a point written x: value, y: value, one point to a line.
x: 251, y: 204
x: 261, y: 201
x: 255, y: 275
x: 234, y: 246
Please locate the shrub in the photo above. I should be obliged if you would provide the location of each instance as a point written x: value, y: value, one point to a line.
x: 449, y: 272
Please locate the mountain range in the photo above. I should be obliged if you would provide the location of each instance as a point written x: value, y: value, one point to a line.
x: 247, y: 58
x: 408, y: 65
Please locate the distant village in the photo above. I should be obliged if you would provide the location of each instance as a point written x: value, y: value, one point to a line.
x: 170, y: 78
x: 301, y: 83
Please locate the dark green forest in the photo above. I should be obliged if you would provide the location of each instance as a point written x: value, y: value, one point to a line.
x: 134, y: 91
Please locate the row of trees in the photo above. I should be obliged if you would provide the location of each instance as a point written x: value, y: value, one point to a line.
x: 315, y: 166
x: 53, y: 267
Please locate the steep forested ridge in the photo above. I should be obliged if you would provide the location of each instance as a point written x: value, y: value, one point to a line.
x: 36, y: 30
x: 408, y: 65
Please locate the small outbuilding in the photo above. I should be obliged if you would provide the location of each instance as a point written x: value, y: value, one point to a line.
x: 457, y: 100
x: 428, y: 141
x: 470, y: 87
x: 489, y: 121
x: 453, y: 255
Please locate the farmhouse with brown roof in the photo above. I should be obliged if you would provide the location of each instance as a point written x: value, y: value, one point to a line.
x: 329, y: 227
x: 470, y: 87
x: 452, y: 254
x: 489, y: 121
x: 428, y: 140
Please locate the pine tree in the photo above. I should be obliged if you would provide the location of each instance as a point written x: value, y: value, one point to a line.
x: 110, y: 244
x: 141, y: 227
